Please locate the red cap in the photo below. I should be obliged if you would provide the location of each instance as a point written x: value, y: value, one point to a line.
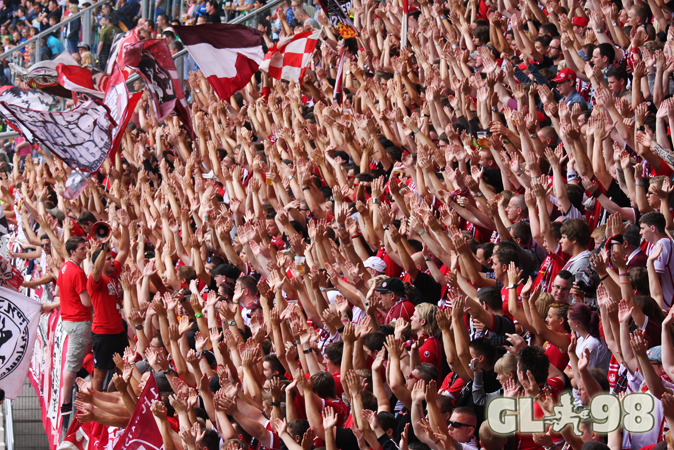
x: 564, y: 75
x: 580, y: 21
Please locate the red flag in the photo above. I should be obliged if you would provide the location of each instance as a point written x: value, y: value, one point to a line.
x: 77, y: 79
x: 228, y: 55
x: 142, y: 431
x: 120, y: 106
x: 152, y: 60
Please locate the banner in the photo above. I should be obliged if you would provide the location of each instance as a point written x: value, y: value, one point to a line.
x: 152, y: 60
x: 19, y: 316
x: 51, y: 344
x: 338, y: 11
x: 142, y: 431
x: 25, y: 98
x: 81, y: 137
x: 43, y: 75
x: 120, y: 106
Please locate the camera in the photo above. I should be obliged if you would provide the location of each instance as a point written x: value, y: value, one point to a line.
x: 473, y: 365
x: 585, y: 280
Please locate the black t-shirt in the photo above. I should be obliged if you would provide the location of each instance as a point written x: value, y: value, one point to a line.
x: 430, y: 290
x: 214, y: 18
x: 465, y: 397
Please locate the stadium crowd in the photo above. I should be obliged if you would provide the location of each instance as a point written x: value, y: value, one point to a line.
x: 367, y: 261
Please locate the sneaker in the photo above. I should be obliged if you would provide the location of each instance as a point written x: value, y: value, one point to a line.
x: 66, y: 409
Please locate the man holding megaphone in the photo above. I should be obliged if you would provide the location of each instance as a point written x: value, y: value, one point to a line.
x: 108, y: 331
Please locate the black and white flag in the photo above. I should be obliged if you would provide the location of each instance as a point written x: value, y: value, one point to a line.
x: 19, y: 319
x: 81, y: 137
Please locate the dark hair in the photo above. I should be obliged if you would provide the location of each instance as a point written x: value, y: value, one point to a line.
x: 544, y: 39
x: 639, y: 280
x: 650, y: 308
x: 507, y: 254
x: 491, y: 296
x: 248, y: 282
x: 298, y: 427
x: 72, y: 244
x: 481, y: 33
x: 654, y: 218
x: 374, y: 341
x: 428, y: 372
x: 324, y: 385
x: 632, y: 235
x: 333, y: 352
x: 211, y: 440
x: 86, y: 217
x: 618, y: 72
x: 387, y: 421
x: 575, y: 194
x: 484, y: 347
x: 534, y: 359
x: 521, y: 230
x: 606, y: 49
x: 274, y: 364
x: 588, y: 319
x: 487, y: 249
x: 549, y: 28
x: 577, y: 230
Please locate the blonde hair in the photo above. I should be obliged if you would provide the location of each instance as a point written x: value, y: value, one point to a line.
x: 600, y: 231
x: 543, y: 303
x: 427, y: 311
x: 379, y: 279
x: 87, y: 59
x: 506, y: 365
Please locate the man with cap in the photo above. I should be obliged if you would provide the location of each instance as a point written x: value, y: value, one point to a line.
x: 375, y: 265
x: 566, y: 86
x: 224, y: 273
x: 579, y: 26
x: 393, y: 300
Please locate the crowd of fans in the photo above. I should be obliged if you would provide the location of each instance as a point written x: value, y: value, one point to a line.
x: 484, y: 212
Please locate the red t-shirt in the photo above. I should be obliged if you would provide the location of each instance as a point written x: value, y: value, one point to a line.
x: 526, y: 441
x: 76, y: 230
x: 71, y: 282
x: 551, y: 266
x: 431, y: 352
x: 106, y: 296
x: 557, y: 358
x: 403, y: 309
x: 453, y: 389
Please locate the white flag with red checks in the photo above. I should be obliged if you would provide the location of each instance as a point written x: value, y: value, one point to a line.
x: 290, y: 57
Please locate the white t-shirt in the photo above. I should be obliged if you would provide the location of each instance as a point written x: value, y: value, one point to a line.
x: 600, y: 355
x: 665, y: 268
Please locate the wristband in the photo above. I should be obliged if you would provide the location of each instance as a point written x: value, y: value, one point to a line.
x: 235, y: 303
x: 306, y: 352
x: 422, y: 233
x: 603, y: 278
x: 624, y: 274
x: 276, y: 404
x: 356, y: 236
x: 306, y: 187
x: 298, y: 343
x: 625, y: 282
x: 139, y: 327
x: 340, y: 330
x: 197, y: 315
x: 639, y: 183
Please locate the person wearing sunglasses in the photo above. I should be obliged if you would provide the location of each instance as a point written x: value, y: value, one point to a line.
x: 462, y: 425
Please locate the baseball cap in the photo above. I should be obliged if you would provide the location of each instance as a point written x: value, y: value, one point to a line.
x: 56, y: 212
x: 376, y: 263
x: 580, y: 21
x: 564, y: 75
x: 228, y: 270
x: 392, y: 285
x: 84, y: 46
x: 655, y: 354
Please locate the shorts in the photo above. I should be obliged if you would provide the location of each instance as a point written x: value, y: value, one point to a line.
x: 106, y: 345
x: 79, y: 342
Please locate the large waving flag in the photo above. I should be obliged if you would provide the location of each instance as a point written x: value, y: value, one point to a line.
x: 288, y: 59
x: 228, y: 55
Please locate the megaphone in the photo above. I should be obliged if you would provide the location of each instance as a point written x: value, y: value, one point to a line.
x: 101, y: 232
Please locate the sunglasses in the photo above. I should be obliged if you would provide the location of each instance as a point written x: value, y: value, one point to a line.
x: 458, y: 424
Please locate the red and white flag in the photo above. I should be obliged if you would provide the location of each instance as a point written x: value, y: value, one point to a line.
x: 228, y: 55
x: 289, y: 58
x: 78, y: 79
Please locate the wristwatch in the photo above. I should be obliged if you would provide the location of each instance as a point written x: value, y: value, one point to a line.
x: 170, y: 371
x: 139, y: 327
x: 232, y: 323
x: 477, y: 194
x: 511, y: 286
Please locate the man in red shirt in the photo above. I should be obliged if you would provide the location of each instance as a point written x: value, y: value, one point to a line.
x: 76, y: 316
x: 393, y: 300
x: 108, y: 332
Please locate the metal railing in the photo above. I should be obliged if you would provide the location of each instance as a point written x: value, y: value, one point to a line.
x: 37, y: 39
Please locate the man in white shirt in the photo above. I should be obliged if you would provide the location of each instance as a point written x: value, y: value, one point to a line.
x: 652, y: 229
